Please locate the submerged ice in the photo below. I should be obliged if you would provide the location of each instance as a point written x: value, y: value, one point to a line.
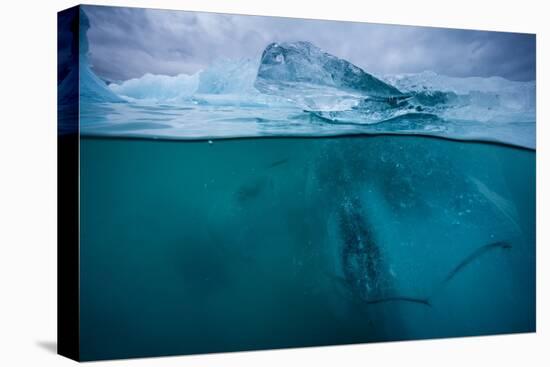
x: 297, y: 89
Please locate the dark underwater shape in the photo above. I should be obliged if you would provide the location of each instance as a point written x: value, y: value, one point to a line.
x: 420, y: 301
x: 191, y: 247
x: 474, y: 255
x: 362, y: 261
x: 279, y: 162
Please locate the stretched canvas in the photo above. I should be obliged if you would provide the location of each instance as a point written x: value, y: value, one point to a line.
x: 234, y: 182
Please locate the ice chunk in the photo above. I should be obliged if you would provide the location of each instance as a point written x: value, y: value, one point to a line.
x: 158, y: 88
x: 316, y: 80
x: 224, y: 77
x: 224, y: 83
x: 303, y: 62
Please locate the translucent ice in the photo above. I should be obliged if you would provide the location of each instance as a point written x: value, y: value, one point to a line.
x: 316, y: 80
x: 303, y: 62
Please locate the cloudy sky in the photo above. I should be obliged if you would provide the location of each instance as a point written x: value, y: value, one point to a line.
x: 128, y: 42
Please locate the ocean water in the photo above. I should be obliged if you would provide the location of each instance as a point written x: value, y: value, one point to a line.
x: 195, y: 246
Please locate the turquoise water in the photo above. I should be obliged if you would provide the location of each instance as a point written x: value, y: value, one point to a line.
x: 238, y: 244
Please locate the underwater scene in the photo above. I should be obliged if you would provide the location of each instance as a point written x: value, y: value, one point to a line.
x: 257, y: 182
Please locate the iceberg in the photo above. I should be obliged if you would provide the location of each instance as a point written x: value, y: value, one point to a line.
x: 92, y: 88
x: 303, y: 62
x: 223, y: 77
x: 319, y: 81
x: 78, y: 88
x: 229, y: 82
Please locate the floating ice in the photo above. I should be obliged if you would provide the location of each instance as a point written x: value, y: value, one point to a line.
x: 158, y: 88
x: 224, y: 77
x: 303, y: 62
x: 318, y: 81
x: 493, y: 99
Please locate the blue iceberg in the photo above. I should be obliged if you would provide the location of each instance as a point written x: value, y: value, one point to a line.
x: 92, y: 88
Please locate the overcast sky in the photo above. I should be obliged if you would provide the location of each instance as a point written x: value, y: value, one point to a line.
x: 128, y: 42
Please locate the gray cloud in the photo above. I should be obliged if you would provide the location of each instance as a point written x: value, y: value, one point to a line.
x: 129, y: 42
